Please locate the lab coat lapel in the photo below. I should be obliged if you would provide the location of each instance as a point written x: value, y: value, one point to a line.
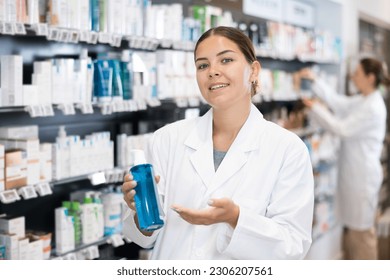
x: 247, y: 140
x: 200, y: 139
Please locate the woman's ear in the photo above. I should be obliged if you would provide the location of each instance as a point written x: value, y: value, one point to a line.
x: 256, y: 68
x: 372, y: 79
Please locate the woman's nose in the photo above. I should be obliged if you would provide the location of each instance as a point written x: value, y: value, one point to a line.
x: 213, y: 73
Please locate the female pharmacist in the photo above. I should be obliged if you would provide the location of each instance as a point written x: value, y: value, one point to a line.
x: 233, y: 185
x: 360, y: 122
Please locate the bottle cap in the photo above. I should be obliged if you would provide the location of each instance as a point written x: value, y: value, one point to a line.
x: 61, y: 131
x: 84, y: 53
x: 125, y: 56
x: 138, y: 157
x: 75, y: 205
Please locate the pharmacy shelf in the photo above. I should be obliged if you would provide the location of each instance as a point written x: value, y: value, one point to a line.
x: 12, y: 109
x: 74, y: 36
x: 114, y: 176
x: 89, y: 249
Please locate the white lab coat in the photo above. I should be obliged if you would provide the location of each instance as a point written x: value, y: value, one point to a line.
x: 267, y: 172
x: 360, y: 121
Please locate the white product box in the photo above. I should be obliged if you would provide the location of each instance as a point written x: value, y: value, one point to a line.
x: 19, y: 132
x: 30, y: 95
x: 15, y: 225
x: 11, y: 243
x: 23, y: 248
x: 64, y: 231
x: 31, y: 146
x: 42, y: 70
x: 11, y: 80
x: 35, y: 251
x: 45, y: 160
x: 15, y: 169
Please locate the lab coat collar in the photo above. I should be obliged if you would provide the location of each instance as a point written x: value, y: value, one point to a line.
x: 200, y: 139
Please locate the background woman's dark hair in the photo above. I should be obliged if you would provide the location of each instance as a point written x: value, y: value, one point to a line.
x: 375, y: 67
x: 233, y: 34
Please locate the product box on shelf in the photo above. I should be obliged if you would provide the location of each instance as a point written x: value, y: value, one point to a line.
x: 15, y: 169
x: 23, y: 248
x: 45, y: 160
x: 35, y: 251
x: 19, y: 132
x: 45, y: 237
x: 31, y: 147
x: 11, y: 80
x: 13, y: 225
x: 11, y: 242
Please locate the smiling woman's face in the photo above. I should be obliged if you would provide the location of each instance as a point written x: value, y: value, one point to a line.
x: 222, y: 72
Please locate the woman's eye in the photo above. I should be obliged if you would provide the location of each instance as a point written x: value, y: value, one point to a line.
x: 202, y: 66
x: 226, y: 60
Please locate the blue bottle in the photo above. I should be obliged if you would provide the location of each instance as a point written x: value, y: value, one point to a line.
x: 147, y: 204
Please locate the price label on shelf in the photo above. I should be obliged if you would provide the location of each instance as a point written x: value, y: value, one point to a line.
x: 43, y: 189
x: 19, y: 28
x: 133, y: 106
x: 91, y: 253
x: 165, y: 43
x: 118, y: 106
x: 155, y: 44
x: 116, y: 40
x: 41, y: 29
x: 131, y: 40
x: 141, y: 104
x: 119, y: 175
x: 85, y: 108
x: 67, y: 109
x: 104, y: 38
x: 93, y: 37
x: 116, y: 240
x: 65, y: 36
x: 27, y: 192
x: 34, y: 111
x: 97, y: 178
x: 153, y: 102
x: 70, y: 256
x: 145, y: 43
x: 47, y: 110
x: 106, y: 108
x: 9, y: 196
x: 84, y: 36
x: 9, y: 28
x: 53, y: 34
x: 74, y: 36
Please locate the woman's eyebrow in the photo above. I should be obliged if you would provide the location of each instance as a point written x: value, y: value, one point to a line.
x: 218, y: 54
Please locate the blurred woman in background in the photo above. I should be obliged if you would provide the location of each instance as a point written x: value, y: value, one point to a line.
x: 360, y: 122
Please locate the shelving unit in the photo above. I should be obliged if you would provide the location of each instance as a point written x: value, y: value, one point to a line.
x: 41, y: 42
